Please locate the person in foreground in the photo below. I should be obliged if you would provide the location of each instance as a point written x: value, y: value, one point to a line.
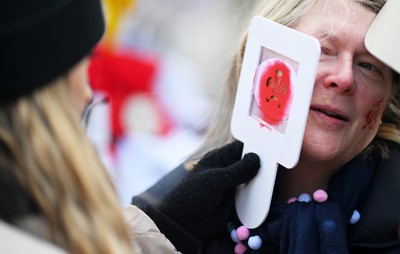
x: 350, y: 153
x: 55, y: 194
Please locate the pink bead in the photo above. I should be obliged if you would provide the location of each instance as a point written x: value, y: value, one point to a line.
x: 242, y: 233
x: 320, y: 196
x: 291, y: 200
x: 240, y: 248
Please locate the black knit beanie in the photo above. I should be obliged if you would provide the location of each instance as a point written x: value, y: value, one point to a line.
x: 42, y: 39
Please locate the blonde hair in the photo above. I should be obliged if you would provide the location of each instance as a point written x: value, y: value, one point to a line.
x: 43, y: 145
x: 288, y: 13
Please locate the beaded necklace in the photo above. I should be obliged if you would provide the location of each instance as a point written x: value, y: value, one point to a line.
x: 248, y: 240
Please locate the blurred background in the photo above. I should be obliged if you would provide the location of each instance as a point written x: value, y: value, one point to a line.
x: 159, y: 64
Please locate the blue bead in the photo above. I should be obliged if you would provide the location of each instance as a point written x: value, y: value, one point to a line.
x: 255, y: 242
x: 304, y: 197
x: 234, y: 236
x: 355, y: 217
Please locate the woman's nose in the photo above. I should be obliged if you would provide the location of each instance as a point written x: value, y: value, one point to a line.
x: 341, y: 77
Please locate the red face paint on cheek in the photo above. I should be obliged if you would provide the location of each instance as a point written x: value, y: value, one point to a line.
x: 273, y: 90
x: 372, y: 117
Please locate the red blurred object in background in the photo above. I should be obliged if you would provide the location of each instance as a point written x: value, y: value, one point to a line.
x: 122, y: 75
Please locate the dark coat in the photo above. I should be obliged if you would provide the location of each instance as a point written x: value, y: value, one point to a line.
x: 376, y: 232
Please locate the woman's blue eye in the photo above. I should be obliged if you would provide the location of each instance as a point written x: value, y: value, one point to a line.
x: 367, y: 66
x: 370, y: 68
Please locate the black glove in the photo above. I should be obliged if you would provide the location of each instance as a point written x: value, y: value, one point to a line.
x: 203, y: 203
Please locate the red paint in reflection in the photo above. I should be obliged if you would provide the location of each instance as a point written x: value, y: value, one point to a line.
x: 264, y: 126
x: 273, y: 90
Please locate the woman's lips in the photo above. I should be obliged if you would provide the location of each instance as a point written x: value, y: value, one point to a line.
x: 330, y: 116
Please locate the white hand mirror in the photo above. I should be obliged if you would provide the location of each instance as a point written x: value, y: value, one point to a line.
x: 271, y: 107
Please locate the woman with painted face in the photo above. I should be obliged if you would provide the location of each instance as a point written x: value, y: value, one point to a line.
x: 350, y: 153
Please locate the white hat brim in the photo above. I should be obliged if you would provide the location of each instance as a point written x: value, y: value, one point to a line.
x: 383, y: 37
